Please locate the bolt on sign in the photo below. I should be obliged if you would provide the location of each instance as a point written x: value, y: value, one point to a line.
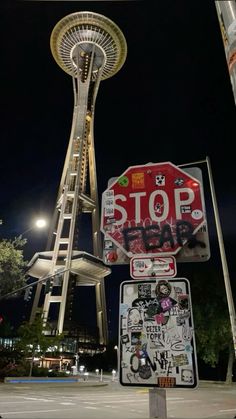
x: 156, y: 334
x: 155, y: 208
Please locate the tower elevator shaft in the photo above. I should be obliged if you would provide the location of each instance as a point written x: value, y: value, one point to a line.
x: 75, y: 195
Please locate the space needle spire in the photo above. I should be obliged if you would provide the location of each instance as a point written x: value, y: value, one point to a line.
x: 90, y: 48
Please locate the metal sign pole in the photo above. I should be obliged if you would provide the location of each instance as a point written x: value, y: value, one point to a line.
x: 223, y: 257
x: 157, y: 403
x: 224, y: 263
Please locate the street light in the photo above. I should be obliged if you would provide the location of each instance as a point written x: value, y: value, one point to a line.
x: 38, y: 224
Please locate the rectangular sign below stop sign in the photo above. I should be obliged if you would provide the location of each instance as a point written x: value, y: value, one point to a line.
x: 150, y: 266
x: 156, y: 334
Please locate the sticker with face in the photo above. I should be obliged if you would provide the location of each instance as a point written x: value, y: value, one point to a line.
x: 134, y: 319
x: 187, y: 376
x: 160, y: 180
x: 163, y: 289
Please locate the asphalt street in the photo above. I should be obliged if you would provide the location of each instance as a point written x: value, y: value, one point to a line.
x: 110, y: 400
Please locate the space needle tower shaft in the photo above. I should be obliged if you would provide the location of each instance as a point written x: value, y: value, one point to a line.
x: 90, y: 48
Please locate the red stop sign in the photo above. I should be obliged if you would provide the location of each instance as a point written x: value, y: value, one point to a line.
x: 154, y: 208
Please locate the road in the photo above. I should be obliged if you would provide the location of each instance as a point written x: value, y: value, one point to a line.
x: 110, y: 400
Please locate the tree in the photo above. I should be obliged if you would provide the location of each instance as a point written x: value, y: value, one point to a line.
x: 12, y: 265
x: 35, y: 339
x: 6, y: 329
x: 211, y: 320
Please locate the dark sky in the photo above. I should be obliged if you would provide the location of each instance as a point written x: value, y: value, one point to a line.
x: 171, y: 101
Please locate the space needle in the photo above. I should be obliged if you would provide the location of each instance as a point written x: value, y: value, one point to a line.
x: 89, y: 47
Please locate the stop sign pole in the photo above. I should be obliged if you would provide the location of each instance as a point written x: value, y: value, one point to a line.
x: 154, y: 208
x: 228, y: 289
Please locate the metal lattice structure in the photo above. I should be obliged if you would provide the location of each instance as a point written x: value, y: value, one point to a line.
x: 90, y: 48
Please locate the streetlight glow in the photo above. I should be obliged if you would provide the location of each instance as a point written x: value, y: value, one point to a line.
x: 40, y: 223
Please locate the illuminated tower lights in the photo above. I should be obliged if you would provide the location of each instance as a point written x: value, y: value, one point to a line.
x: 90, y: 48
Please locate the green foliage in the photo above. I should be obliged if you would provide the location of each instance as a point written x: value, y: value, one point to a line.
x: 8, y: 362
x: 40, y: 372
x: 20, y: 369
x: 6, y: 330
x: 12, y: 265
x: 12, y: 364
x: 36, y: 337
x: 211, y: 316
x: 211, y: 338
x: 54, y: 373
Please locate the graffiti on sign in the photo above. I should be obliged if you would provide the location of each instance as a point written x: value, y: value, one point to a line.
x: 156, y: 335
x: 194, y: 247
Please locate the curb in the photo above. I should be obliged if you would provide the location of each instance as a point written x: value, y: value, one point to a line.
x: 45, y: 380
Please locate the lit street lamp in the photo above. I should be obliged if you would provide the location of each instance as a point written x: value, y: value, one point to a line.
x: 38, y: 224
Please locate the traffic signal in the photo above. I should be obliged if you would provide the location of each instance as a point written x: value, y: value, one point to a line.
x: 48, y: 285
x: 28, y: 293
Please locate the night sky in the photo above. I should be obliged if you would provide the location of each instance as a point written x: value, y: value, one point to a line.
x: 171, y: 101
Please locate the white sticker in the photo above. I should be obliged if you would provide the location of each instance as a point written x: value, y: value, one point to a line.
x: 197, y: 214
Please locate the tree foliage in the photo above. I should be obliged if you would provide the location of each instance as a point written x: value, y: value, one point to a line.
x: 12, y: 265
x: 211, y: 316
x: 35, y: 338
x: 6, y: 329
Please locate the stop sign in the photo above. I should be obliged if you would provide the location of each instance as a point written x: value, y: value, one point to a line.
x: 154, y: 208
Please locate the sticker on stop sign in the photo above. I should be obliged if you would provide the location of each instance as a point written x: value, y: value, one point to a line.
x: 155, y: 208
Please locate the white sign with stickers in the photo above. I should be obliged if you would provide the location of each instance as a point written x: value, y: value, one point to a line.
x: 156, y: 334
